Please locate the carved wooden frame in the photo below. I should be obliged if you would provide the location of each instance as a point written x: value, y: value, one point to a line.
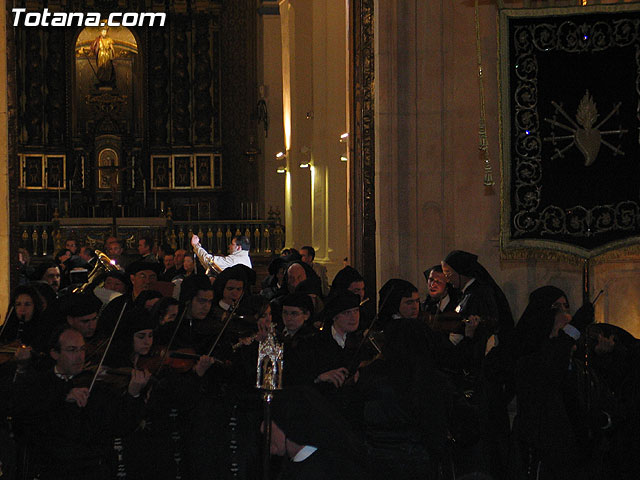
x: 362, y: 141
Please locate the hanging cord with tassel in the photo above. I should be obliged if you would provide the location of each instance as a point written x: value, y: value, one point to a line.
x: 482, y: 131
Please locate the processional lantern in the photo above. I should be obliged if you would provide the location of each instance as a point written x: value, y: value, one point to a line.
x: 268, y: 380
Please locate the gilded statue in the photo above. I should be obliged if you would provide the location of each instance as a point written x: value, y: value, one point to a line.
x: 102, y: 48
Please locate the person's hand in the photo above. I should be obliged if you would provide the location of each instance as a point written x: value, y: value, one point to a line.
x: 139, y: 380
x: 560, y: 320
x: 336, y: 376
x: 195, y: 240
x: 605, y: 344
x: 263, y: 330
x: 470, y: 325
x: 203, y: 364
x: 64, y: 258
x: 22, y: 355
x: 79, y: 396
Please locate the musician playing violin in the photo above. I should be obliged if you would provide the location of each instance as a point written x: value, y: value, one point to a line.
x: 142, y: 275
x: 67, y: 426
x: 441, y: 296
x: 334, y: 346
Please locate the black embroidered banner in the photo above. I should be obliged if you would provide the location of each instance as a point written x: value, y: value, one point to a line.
x: 570, y: 106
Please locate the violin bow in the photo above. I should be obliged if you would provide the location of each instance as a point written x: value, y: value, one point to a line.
x: 104, y: 355
x: 593, y: 302
x: 353, y: 365
x: 173, y: 336
x: 231, y: 312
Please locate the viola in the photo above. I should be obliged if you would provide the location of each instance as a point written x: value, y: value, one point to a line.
x: 451, y: 322
x: 8, y: 351
x: 181, y: 360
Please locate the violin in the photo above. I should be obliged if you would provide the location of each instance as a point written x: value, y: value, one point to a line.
x: 8, y: 351
x: 451, y: 322
x: 180, y: 360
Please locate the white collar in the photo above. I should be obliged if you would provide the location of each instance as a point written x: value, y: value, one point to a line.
x: 304, y: 453
x: 62, y: 376
x: 289, y: 333
x: 340, y: 339
x: 444, y: 301
x: 223, y: 305
x: 466, y: 285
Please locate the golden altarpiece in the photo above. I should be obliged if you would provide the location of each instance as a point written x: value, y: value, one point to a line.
x: 131, y: 130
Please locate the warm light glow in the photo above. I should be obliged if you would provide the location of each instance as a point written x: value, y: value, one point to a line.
x: 285, y: 19
x: 584, y: 2
x: 281, y: 169
x: 343, y: 158
x: 304, y: 165
x: 279, y: 155
x: 344, y: 137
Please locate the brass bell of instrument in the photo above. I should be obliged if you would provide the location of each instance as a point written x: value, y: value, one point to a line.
x: 103, y: 265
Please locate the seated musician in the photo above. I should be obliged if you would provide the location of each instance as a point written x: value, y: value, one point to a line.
x: 407, y: 415
x: 297, y: 313
x: 296, y: 273
x: 486, y: 322
x: 350, y: 279
x: 272, y: 285
x: 116, y: 283
x: 297, y: 329
x: 149, y: 452
x: 207, y: 311
x: 482, y: 302
x: 565, y: 420
x: 441, y: 297
x: 197, y: 328
x: 26, y: 326
x: 142, y: 276
x: 231, y: 293
x: 81, y: 311
x: 68, y: 426
x: 333, y: 348
x: 48, y: 272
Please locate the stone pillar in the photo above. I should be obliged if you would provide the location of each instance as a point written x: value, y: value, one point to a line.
x: 329, y: 230
x: 430, y: 195
x: 270, y: 89
x: 5, y: 249
x: 297, y: 68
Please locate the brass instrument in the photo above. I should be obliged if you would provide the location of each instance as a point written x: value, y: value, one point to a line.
x: 103, y: 265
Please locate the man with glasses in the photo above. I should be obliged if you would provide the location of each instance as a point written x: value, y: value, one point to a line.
x: 68, y: 428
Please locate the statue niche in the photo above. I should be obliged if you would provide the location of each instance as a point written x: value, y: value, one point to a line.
x: 107, y: 83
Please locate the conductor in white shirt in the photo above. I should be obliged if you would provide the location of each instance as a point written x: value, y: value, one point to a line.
x: 238, y: 254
